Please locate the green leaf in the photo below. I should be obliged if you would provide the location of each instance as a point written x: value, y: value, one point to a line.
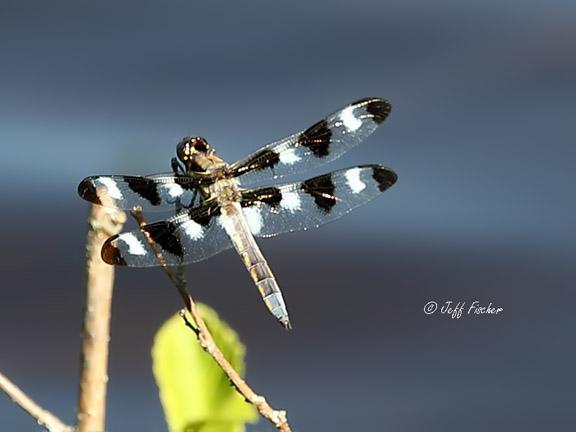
x: 195, y: 394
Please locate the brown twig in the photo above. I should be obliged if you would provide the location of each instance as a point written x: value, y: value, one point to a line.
x: 44, y: 418
x: 276, y: 417
x: 103, y: 223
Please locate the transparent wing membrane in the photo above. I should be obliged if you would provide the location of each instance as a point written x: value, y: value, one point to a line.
x: 302, y: 205
x: 322, y: 142
x: 158, y: 192
x: 191, y: 236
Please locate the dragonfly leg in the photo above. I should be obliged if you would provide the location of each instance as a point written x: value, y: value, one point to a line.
x: 176, y: 166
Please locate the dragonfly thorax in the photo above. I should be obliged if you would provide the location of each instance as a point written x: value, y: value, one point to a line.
x: 226, y: 191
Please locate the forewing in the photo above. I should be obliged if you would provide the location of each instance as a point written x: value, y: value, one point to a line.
x: 158, y: 192
x: 314, y: 202
x: 322, y: 142
x: 190, y: 236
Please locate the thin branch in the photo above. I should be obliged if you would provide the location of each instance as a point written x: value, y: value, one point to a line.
x: 44, y: 418
x: 276, y: 417
x: 103, y: 223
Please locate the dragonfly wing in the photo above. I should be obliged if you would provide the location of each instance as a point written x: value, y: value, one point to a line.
x: 303, y: 205
x: 322, y: 142
x: 192, y: 235
x: 160, y: 192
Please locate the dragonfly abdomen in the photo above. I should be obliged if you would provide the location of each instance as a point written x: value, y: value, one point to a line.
x: 237, y: 228
x: 269, y: 290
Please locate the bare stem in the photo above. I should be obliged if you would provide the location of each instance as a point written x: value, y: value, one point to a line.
x: 44, y: 418
x: 103, y: 223
x: 276, y: 417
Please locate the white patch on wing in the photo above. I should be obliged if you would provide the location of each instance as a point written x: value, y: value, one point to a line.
x: 350, y: 121
x: 289, y: 157
x: 223, y: 221
x: 111, y: 187
x: 254, y: 219
x: 174, y: 190
x: 353, y: 180
x: 135, y: 246
x: 290, y: 201
x: 193, y: 230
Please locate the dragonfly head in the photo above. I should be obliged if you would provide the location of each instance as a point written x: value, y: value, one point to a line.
x: 192, y: 152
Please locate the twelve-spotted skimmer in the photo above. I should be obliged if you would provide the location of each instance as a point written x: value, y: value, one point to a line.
x: 214, y: 209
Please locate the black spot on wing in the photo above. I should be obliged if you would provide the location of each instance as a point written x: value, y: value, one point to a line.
x: 144, y: 187
x: 265, y: 158
x: 270, y: 195
x: 317, y: 138
x: 87, y: 191
x: 203, y: 215
x: 378, y: 108
x: 111, y: 254
x: 321, y: 188
x: 163, y: 234
x: 384, y: 177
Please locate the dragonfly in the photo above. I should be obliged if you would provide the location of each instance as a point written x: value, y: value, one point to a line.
x: 217, y: 205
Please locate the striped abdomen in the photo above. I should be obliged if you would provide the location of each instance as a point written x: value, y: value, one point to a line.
x: 239, y: 232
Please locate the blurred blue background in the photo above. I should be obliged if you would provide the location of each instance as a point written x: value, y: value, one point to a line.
x: 481, y: 135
